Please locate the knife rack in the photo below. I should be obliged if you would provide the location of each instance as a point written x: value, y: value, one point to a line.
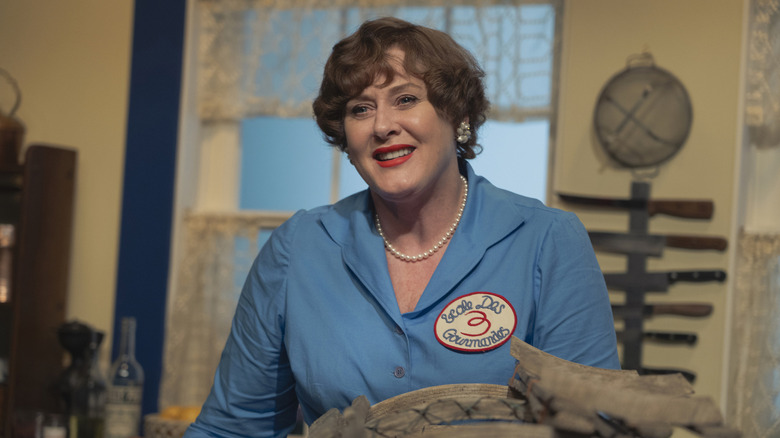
x: 636, y: 264
x: 637, y: 245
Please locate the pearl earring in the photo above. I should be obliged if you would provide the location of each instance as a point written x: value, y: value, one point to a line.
x: 464, y: 133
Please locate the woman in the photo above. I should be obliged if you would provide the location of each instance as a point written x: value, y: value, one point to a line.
x: 421, y: 279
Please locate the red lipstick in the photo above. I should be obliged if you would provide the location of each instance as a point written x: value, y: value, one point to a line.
x: 383, y: 154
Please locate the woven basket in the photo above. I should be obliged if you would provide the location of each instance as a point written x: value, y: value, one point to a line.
x: 158, y: 427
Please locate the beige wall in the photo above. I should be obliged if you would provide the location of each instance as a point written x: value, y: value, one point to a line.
x: 71, y: 60
x: 699, y: 41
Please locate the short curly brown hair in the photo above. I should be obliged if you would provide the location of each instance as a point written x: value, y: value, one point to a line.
x: 452, y: 76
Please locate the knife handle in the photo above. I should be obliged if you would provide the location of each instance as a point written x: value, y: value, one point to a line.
x: 693, y: 209
x: 696, y: 242
x: 684, y: 338
x: 697, y: 276
x: 682, y: 309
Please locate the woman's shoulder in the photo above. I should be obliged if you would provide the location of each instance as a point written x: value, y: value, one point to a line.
x: 498, y: 199
x: 335, y: 217
x: 343, y: 208
x: 526, y: 205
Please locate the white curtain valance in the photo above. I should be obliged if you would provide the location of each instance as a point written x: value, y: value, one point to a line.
x: 266, y: 57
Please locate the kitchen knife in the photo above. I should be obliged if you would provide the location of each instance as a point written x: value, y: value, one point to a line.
x: 652, y: 244
x: 690, y: 376
x: 687, y: 208
x: 660, y: 281
x: 667, y: 337
x: 648, y: 310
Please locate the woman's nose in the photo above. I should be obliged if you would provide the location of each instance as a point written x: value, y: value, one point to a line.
x: 385, y: 123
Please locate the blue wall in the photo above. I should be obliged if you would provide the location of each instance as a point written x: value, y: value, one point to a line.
x: 150, y: 163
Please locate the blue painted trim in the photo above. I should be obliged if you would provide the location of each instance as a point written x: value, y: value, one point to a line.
x: 150, y: 167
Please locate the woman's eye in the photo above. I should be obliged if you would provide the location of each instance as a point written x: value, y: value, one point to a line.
x: 407, y: 100
x: 358, y: 110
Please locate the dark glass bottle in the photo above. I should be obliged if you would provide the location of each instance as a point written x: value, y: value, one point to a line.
x: 83, y: 385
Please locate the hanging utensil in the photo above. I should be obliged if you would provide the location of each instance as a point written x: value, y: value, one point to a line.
x: 11, y: 129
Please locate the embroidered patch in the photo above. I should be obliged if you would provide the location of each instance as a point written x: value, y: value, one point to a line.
x: 479, y: 321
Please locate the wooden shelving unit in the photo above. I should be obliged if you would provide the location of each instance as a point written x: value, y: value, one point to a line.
x: 37, y: 197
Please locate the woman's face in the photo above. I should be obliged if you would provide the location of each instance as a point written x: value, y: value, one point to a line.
x: 396, y: 139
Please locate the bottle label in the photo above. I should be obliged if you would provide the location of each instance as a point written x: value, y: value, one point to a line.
x: 53, y: 432
x: 123, y: 411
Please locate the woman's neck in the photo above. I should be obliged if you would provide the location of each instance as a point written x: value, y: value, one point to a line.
x: 414, y: 226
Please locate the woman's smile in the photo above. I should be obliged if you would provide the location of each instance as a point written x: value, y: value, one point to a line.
x: 393, y: 155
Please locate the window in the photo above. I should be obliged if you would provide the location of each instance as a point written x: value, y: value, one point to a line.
x: 289, y: 156
x: 248, y: 133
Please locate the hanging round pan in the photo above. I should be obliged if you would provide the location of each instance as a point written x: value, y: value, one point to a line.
x: 643, y: 115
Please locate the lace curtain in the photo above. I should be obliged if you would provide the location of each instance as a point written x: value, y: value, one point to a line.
x: 219, y: 249
x: 762, y: 105
x: 753, y: 404
x: 754, y: 395
x: 278, y: 50
x: 265, y: 57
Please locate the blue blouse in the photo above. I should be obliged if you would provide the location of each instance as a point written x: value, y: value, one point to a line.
x: 318, y: 323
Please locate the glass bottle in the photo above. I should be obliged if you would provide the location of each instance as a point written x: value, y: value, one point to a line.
x: 87, y: 411
x: 125, y: 388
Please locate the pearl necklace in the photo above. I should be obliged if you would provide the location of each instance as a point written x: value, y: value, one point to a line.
x: 438, y: 245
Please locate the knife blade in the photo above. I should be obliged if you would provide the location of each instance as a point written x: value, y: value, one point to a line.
x: 690, y: 376
x: 652, y: 244
x: 660, y: 281
x: 696, y: 310
x: 687, y: 208
x: 666, y: 337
